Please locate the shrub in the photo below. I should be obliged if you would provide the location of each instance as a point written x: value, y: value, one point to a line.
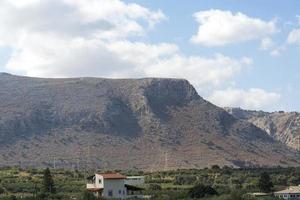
x: 200, y: 191
x: 2, y: 191
x: 185, y: 180
x: 154, y: 187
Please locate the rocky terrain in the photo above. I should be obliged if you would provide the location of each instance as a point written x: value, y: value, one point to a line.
x: 149, y: 124
x: 282, y: 126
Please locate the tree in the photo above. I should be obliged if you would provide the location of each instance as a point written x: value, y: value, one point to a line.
x: 200, y: 191
x: 265, y: 184
x: 2, y: 191
x: 12, y: 197
x: 48, y: 183
x: 215, y: 167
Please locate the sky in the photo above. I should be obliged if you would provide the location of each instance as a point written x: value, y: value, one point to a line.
x: 235, y: 53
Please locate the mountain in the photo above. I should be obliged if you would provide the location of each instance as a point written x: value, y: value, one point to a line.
x: 282, y: 126
x: 149, y: 124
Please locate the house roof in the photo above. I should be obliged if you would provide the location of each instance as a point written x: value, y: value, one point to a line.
x: 290, y: 190
x: 112, y: 176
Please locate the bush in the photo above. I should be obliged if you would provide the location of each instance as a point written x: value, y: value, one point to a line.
x: 2, y: 191
x: 215, y: 167
x: 200, y: 191
x: 185, y: 180
x: 154, y: 187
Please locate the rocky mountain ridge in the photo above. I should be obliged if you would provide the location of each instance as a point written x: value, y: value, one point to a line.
x: 148, y: 124
x: 282, y: 126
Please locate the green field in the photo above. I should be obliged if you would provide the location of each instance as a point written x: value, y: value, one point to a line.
x: 230, y: 184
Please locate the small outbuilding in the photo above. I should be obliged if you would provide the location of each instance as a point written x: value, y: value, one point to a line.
x: 291, y: 193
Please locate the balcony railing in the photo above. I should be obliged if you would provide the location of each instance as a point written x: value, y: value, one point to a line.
x: 90, y: 185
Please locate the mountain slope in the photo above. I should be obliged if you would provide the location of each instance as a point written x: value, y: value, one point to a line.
x: 149, y: 124
x: 282, y: 126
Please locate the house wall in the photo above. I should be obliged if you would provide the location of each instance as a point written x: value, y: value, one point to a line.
x: 116, y: 186
x: 288, y: 196
x: 99, y: 181
x: 135, y: 180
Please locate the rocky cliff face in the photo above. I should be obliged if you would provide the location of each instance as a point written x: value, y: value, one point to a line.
x: 282, y: 126
x: 149, y: 124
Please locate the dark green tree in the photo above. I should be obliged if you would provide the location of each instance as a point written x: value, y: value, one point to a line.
x: 264, y: 183
x: 200, y: 191
x: 12, y: 197
x: 2, y: 191
x: 48, y: 183
x: 215, y: 167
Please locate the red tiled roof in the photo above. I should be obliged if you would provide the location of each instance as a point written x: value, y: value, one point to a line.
x: 112, y: 176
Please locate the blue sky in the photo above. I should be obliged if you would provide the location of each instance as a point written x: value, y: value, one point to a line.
x: 139, y: 38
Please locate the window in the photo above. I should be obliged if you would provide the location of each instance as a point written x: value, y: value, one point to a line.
x: 110, y: 193
x: 120, y: 192
x: 100, y: 181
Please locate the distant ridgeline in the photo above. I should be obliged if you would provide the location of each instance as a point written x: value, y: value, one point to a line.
x: 282, y: 126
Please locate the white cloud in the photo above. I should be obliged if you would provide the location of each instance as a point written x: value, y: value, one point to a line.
x: 294, y: 37
x: 217, y: 27
x: 204, y: 73
x: 166, y: 60
x: 107, y: 19
x: 65, y: 38
x: 22, y: 3
x: 70, y: 38
x: 277, y: 51
x: 253, y: 98
x: 267, y: 43
x: 56, y: 38
x: 81, y: 57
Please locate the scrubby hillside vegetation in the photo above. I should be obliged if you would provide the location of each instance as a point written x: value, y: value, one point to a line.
x: 208, y: 184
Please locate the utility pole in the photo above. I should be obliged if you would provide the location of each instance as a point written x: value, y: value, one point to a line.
x: 78, y: 163
x: 166, y: 161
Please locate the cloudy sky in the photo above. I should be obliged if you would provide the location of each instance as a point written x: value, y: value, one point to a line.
x: 236, y: 53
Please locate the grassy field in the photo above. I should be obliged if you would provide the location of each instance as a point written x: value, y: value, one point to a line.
x: 230, y: 184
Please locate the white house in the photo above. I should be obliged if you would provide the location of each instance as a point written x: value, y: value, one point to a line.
x: 291, y: 193
x: 115, y: 185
